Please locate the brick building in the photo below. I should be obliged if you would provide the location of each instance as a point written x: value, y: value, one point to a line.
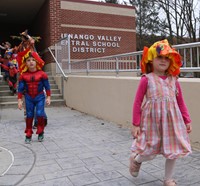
x: 96, y: 29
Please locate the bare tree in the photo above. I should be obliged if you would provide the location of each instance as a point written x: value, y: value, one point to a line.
x: 181, y: 22
x: 147, y: 21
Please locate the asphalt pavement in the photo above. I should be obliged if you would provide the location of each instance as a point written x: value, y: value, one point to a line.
x: 79, y: 150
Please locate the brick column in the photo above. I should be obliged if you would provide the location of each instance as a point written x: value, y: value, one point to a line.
x: 55, y: 20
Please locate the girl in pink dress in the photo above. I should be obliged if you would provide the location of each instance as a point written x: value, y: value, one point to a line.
x: 162, y: 124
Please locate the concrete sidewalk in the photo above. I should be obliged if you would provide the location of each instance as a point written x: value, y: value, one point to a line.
x: 78, y: 150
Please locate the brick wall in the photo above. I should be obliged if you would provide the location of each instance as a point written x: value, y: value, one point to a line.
x: 55, y: 20
x: 110, y: 26
x: 104, y: 23
x: 47, y: 25
x: 96, y: 19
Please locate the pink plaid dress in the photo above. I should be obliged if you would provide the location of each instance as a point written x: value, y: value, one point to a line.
x: 163, y: 130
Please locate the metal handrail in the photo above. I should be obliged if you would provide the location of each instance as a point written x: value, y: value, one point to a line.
x: 187, y: 45
x: 127, y: 62
x: 186, y: 50
x: 57, y: 63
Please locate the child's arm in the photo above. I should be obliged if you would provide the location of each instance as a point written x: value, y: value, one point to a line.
x: 16, y: 70
x: 141, y: 91
x: 48, y: 100
x: 20, y: 91
x: 4, y: 67
x: 182, y: 105
x: 2, y: 47
x: 183, y: 108
x: 20, y: 104
x: 135, y: 131
x: 189, y: 128
x: 47, y: 88
x: 32, y: 41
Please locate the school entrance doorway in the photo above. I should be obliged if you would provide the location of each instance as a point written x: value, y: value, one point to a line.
x: 17, y: 16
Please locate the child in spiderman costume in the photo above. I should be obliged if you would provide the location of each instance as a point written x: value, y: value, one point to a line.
x: 12, y: 76
x: 32, y: 82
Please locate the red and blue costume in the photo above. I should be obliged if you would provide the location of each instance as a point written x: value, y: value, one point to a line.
x: 32, y: 85
x: 5, y: 61
x: 12, y: 75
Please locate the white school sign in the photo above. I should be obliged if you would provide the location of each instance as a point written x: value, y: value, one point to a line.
x: 89, y: 43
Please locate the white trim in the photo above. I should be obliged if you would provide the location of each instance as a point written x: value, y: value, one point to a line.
x: 99, y: 28
x: 77, y: 6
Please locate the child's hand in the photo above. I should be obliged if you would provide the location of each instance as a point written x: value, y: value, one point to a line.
x: 48, y: 100
x: 189, y: 128
x: 135, y: 131
x: 20, y: 104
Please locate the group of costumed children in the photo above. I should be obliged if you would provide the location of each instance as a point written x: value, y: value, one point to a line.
x: 161, y: 125
x: 9, y: 61
x: 10, y: 66
x: 33, y: 84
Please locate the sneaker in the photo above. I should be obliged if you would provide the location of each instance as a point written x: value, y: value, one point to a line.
x: 169, y: 182
x: 41, y: 137
x: 27, y: 139
x: 134, y: 166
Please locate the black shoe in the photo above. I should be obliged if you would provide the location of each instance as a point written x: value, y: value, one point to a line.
x: 14, y: 91
x: 11, y: 90
x: 41, y: 137
x: 27, y: 139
